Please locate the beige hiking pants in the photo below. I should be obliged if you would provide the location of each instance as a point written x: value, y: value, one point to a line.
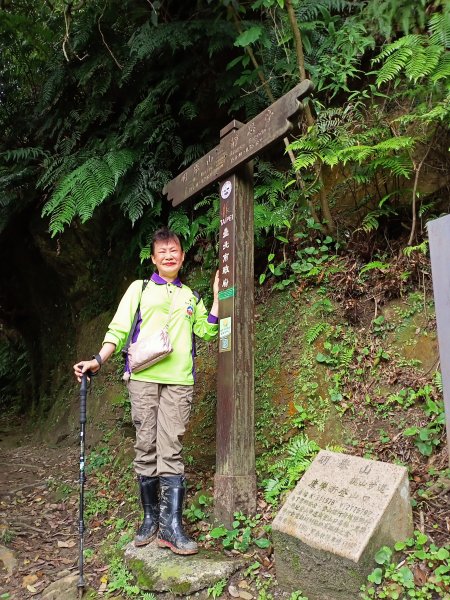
x: 160, y: 414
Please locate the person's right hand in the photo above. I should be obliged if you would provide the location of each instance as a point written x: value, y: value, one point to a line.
x: 83, y: 366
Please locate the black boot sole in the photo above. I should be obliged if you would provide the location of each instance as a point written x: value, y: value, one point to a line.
x: 175, y: 550
x: 145, y: 542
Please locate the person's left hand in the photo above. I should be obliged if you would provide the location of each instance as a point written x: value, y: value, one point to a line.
x: 216, y: 286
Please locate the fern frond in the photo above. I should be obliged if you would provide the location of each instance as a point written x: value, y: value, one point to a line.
x: 438, y: 381
x: 394, y: 64
x: 267, y: 217
x: 302, y: 447
x: 398, y: 165
x: 23, y: 154
x: 356, y: 153
x: 345, y: 358
x: 410, y: 41
x: 179, y: 223
x: 423, y: 62
x: 314, y: 332
x: 188, y: 110
x: 439, y: 26
x: 370, y: 222
x: 422, y: 248
x: 192, y: 153
x: 442, y: 70
x: 85, y: 188
x: 304, y: 160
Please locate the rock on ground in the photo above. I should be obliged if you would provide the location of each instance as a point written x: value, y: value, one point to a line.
x: 160, y: 570
x: 8, y: 559
x: 63, y: 589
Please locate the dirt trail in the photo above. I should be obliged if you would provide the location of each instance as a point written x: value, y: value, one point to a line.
x: 38, y: 524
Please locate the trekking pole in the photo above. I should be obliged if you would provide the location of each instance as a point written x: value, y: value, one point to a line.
x: 83, y: 394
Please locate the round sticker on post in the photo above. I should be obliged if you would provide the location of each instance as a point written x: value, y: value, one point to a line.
x: 226, y: 189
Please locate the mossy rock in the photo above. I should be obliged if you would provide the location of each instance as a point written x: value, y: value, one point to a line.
x: 159, y: 570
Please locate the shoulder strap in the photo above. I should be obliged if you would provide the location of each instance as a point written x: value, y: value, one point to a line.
x: 135, y: 320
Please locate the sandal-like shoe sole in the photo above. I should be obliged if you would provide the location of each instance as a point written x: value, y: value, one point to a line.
x: 175, y: 550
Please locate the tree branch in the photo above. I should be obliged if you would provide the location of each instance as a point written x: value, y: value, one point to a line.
x: 104, y: 41
x: 414, y: 193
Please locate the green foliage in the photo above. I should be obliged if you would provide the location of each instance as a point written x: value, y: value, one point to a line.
x: 314, y: 260
x: 196, y: 511
x: 99, y: 457
x: 249, y: 36
x: 297, y: 596
x: 216, y: 590
x: 95, y: 505
x: 422, y: 248
x: 428, y: 437
x: 338, y: 354
x: 128, y: 103
x: 6, y: 536
x: 396, y: 580
x: 386, y: 17
x: 418, y: 56
x: 107, y: 120
x: 85, y: 188
x: 315, y: 331
x: 120, y: 579
x: 245, y: 532
x: 286, y: 472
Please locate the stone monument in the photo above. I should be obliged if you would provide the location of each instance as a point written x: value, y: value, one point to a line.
x: 343, y: 510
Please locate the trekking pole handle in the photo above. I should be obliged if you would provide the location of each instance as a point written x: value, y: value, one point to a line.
x: 83, y: 394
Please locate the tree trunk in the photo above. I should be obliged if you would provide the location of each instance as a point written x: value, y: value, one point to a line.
x: 324, y: 204
x: 271, y: 98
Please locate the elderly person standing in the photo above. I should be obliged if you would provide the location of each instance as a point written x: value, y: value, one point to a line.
x: 161, y: 395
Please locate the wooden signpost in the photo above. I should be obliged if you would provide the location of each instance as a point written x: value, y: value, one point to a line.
x: 229, y: 163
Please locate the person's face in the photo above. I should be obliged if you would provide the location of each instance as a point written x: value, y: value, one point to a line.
x: 168, y: 258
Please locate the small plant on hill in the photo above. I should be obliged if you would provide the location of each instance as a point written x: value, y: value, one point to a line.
x: 287, y: 471
x: 120, y: 579
x: 428, y: 437
x: 196, y: 510
x: 424, y: 573
x: 245, y: 532
x: 216, y: 590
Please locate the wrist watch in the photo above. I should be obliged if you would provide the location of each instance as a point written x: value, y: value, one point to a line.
x: 98, y: 358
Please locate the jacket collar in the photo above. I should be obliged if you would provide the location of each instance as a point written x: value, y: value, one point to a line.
x: 160, y: 281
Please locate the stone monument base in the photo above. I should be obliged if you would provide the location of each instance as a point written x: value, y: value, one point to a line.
x: 318, y: 574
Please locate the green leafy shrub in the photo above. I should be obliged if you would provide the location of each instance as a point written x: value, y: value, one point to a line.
x: 287, y: 471
x: 242, y: 534
x: 423, y: 574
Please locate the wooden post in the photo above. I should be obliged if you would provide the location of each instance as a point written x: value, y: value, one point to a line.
x: 235, y: 479
x: 230, y: 164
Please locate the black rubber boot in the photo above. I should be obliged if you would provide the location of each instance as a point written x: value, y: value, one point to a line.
x: 171, y: 533
x: 149, y: 487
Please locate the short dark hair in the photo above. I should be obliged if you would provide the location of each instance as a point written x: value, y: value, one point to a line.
x: 164, y: 235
